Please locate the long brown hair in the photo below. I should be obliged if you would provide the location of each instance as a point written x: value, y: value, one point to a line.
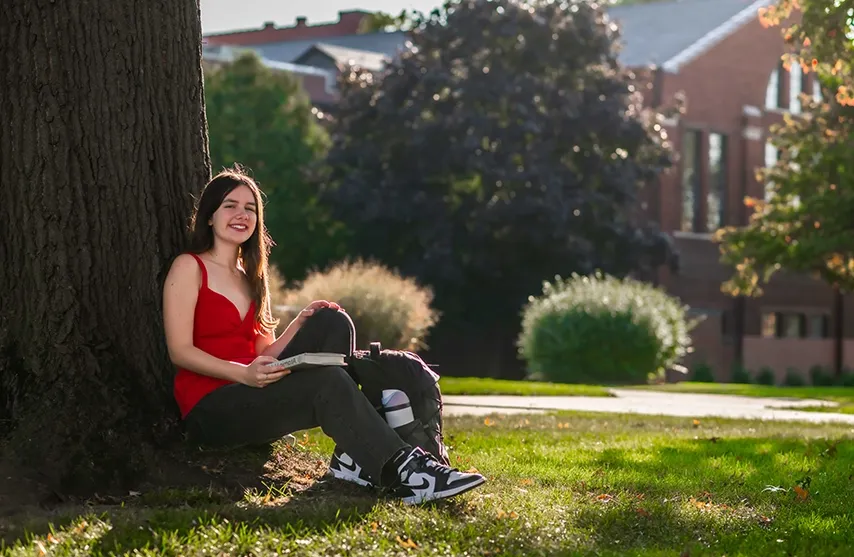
x: 253, y: 253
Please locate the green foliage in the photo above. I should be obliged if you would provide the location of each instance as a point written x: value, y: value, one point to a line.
x: 703, y: 373
x: 261, y: 119
x: 377, y: 22
x: 766, y: 376
x: 598, y: 329
x: 384, y: 306
x: 846, y: 379
x: 793, y: 378
x: 491, y: 162
x: 821, y: 377
x: 740, y: 374
x: 805, y: 225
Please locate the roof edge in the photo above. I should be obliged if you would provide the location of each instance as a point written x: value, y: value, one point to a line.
x: 714, y: 36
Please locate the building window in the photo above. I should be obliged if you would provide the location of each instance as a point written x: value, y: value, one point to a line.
x: 769, y: 325
x: 691, y: 181
x: 819, y: 326
x: 794, y: 325
x: 772, y: 93
x: 796, y: 76
x: 772, y: 155
x: 716, y: 197
x: 816, y: 89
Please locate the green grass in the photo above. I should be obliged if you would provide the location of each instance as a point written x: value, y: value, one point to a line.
x: 488, y: 386
x: 843, y: 395
x: 559, y: 484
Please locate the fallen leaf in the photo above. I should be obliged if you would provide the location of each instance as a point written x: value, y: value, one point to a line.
x: 51, y: 539
x: 511, y: 514
x: 642, y: 512
x: 374, y: 526
x: 408, y: 544
x: 605, y: 497
x: 764, y: 520
x: 526, y: 481
x: 801, y: 492
x: 487, y: 422
x: 696, y: 423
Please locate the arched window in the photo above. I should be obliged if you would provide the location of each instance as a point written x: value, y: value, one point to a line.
x: 772, y: 155
x: 772, y: 93
x: 795, y: 87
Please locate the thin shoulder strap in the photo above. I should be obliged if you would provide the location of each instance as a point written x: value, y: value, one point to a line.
x: 204, y: 270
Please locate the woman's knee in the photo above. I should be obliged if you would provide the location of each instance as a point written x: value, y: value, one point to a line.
x: 337, y: 325
x: 333, y: 318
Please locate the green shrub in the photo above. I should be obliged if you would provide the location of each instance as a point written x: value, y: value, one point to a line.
x: 703, y: 373
x: 765, y: 376
x: 793, y: 378
x: 384, y: 306
x: 821, y: 376
x: 740, y: 374
x: 846, y: 379
x: 599, y: 329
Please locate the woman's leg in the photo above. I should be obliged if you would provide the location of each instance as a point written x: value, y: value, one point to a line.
x: 327, y: 330
x: 326, y: 397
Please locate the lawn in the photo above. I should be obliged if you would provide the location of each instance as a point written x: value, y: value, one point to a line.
x: 843, y: 395
x: 488, y: 386
x: 565, y: 483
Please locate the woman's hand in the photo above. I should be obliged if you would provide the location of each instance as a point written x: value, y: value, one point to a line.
x: 314, y: 306
x: 259, y: 373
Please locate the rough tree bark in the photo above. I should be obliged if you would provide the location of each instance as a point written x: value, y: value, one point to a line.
x: 103, y: 143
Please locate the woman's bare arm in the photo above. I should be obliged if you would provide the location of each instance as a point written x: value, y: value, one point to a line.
x: 180, y: 294
x: 269, y: 345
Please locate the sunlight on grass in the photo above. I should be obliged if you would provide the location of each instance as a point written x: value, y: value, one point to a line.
x: 488, y: 386
x: 844, y: 396
x: 569, y: 483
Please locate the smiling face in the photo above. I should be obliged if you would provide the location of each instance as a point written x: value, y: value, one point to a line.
x: 236, y: 218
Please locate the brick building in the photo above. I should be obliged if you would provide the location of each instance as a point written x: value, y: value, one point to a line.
x: 728, y: 67
x: 730, y: 72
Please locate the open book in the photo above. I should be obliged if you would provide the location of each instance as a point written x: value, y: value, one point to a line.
x: 312, y: 359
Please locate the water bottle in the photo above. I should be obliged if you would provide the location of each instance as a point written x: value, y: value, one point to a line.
x: 398, y: 411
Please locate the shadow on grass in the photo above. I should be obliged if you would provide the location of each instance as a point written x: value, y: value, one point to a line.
x: 258, y: 485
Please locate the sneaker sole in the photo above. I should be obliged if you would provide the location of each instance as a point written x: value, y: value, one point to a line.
x: 348, y: 477
x: 416, y: 499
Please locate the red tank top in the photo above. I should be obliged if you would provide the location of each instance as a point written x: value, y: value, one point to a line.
x: 218, y: 330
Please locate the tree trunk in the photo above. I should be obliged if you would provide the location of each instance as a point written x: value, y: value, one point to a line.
x: 102, y: 146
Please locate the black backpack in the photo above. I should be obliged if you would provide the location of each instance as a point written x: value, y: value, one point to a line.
x: 377, y: 369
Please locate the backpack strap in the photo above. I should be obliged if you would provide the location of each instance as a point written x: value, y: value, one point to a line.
x: 376, y: 347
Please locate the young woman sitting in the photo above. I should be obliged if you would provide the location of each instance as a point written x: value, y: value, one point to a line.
x: 221, y: 336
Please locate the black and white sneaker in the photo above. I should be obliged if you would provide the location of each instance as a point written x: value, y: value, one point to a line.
x: 424, y: 479
x: 343, y: 467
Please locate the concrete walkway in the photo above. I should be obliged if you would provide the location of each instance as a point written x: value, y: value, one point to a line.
x: 631, y: 401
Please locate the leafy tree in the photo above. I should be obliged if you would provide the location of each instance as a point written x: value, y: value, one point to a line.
x: 385, y: 22
x: 103, y: 149
x: 262, y: 119
x: 487, y: 158
x: 805, y: 224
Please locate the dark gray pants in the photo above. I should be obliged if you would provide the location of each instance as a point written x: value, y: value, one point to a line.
x: 326, y: 397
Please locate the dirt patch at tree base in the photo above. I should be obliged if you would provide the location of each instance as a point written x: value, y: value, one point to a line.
x: 180, y: 477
